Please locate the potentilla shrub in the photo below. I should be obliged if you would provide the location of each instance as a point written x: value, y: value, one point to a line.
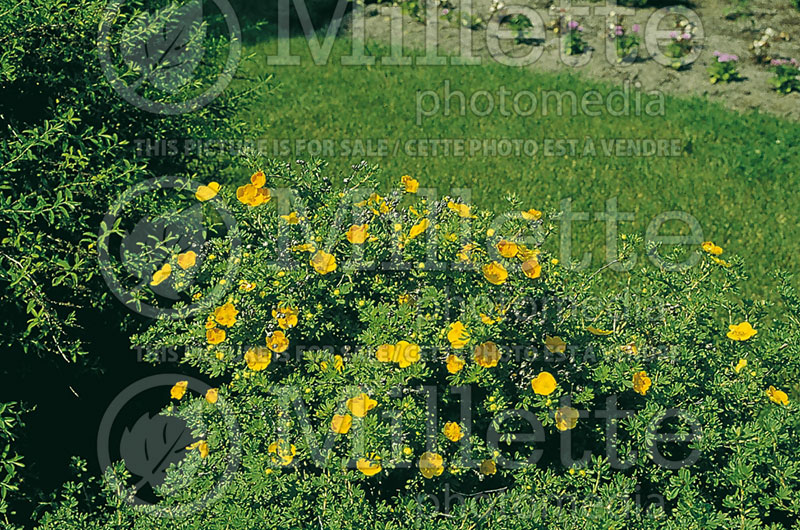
x: 396, y: 359
x: 68, y: 144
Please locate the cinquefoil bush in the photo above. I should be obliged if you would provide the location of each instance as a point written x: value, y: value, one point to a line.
x: 405, y: 360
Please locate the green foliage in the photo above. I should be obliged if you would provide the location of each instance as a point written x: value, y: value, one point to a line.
x: 524, y: 28
x: 786, y: 76
x: 625, y: 44
x: 69, y: 144
x: 425, y: 264
x: 723, y: 69
x: 679, y: 47
x: 10, y: 461
x: 574, y: 43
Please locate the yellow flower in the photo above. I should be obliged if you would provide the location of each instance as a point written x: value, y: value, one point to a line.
x: 283, y: 452
x: 323, y: 262
x: 291, y: 218
x: 532, y: 215
x: 495, y: 273
x: 531, y: 268
x: 777, y: 396
x: 555, y: 344
x: 641, y: 383
x: 406, y: 353
x: 630, y: 348
x: 200, y: 445
x: 206, y: 193
x: 418, y: 228
x: 597, y: 331
x: 404, y: 299
x: 338, y: 363
x: 411, y: 184
x: 252, y: 195
x: 215, y: 335
x: 430, y: 464
x: 246, y: 286
x: 488, y: 467
x: 486, y: 319
x: 385, y: 353
x: 177, y: 391
x: 277, y: 342
x: 360, y: 405
x: 369, y: 467
x: 740, y: 365
x: 711, y: 248
x: 212, y: 395
x: 258, y: 179
x: 357, y: 234
x: 458, y: 335
x: 526, y: 253
x: 461, y: 209
x: 566, y: 418
x: 454, y: 364
x: 720, y: 261
x: 305, y: 247
x: 258, y: 358
x: 507, y: 249
x: 286, y: 316
x: 452, y: 431
x: 187, y: 259
x: 465, y: 252
x: 544, y: 383
x: 741, y: 331
x: 403, y: 353
x: 487, y: 354
x: 161, y: 274
x: 340, y: 424
x: 226, y: 315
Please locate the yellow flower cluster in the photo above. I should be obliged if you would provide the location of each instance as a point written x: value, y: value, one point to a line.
x: 452, y: 431
x: 282, y: 452
x: 411, y: 184
x: 403, y: 353
x: 184, y: 260
x: 224, y: 316
x: 254, y: 193
x: 285, y: 315
x: 458, y: 335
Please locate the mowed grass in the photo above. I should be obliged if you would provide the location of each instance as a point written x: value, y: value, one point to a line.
x: 738, y: 175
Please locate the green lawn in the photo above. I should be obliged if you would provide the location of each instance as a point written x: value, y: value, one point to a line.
x: 738, y: 175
